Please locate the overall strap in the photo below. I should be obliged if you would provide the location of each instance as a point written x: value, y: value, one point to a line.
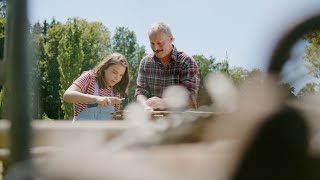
x: 96, y: 89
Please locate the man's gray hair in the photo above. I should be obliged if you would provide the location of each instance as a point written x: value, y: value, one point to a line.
x: 160, y: 27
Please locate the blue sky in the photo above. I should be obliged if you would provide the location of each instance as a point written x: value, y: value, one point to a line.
x: 244, y: 31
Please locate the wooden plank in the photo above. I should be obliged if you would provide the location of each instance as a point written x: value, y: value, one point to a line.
x: 43, y: 129
x: 46, y: 134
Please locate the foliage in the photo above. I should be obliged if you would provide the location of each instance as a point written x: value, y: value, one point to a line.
x: 222, y: 67
x: 2, y: 41
x: 313, y: 53
x: 37, y: 53
x: 238, y: 74
x: 51, y: 100
x: 70, y: 61
x: 205, y: 66
x: 308, y: 89
x: 2, y: 35
x: 134, y: 66
x: 95, y: 40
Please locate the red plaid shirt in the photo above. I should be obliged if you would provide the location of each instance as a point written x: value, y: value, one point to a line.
x: 153, y: 77
x: 86, y: 83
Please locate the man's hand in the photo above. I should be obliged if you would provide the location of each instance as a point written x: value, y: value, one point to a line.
x: 156, y: 103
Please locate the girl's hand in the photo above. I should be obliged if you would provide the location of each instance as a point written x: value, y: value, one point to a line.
x: 115, y: 100
x: 103, y: 101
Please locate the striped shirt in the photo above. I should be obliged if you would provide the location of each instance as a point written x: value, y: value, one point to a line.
x: 153, y: 77
x: 86, y: 84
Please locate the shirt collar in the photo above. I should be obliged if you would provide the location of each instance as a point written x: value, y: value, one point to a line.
x: 174, y: 54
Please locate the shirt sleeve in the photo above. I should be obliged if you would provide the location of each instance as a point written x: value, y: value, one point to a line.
x: 190, y: 79
x: 83, y: 81
x: 142, y: 85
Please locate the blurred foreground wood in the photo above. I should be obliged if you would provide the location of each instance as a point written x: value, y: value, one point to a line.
x: 43, y: 131
x: 81, y: 150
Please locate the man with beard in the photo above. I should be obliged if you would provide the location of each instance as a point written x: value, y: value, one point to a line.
x: 165, y: 67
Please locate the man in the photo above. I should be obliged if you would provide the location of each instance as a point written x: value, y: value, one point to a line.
x: 165, y: 67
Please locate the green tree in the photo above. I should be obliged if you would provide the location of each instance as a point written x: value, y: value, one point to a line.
x: 37, y: 70
x: 50, y: 81
x: 209, y: 65
x: 70, y: 61
x: 238, y: 75
x: 2, y: 36
x: 222, y: 67
x: 313, y: 53
x: 124, y: 41
x: 308, y: 89
x: 2, y: 42
x: 96, y: 43
x: 205, y: 65
x: 255, y: 75
x: 134, y: 66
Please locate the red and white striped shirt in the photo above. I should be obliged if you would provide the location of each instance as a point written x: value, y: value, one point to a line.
x: 86, y: 83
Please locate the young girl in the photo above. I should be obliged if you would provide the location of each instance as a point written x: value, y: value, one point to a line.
x: 96, y: 93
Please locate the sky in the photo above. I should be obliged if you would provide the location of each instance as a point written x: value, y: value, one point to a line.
x: 243, y: 32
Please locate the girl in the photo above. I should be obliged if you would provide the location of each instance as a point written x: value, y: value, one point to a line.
x: 96, y: 93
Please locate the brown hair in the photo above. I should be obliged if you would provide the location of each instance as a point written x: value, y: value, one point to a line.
x: 113, y: 59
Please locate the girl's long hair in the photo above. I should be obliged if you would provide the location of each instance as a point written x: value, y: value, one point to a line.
x: 113, y: 59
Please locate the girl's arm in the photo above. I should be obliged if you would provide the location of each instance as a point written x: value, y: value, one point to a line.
x: 74, y: 95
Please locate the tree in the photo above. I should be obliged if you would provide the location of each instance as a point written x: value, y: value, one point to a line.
x: 255, y: 75
x: 209, y: 65
x: 222, y: 67
x: 313, y: 53
x: 96, y: 43
x: 2, y: 42
x: 70, y: 61
x: 238, y: 75
x: 2, y: 35
x: 308, y: 89
x: 50, y: 82
x: 134, y: 66
x: 205, y: 65
x: 37, y: 69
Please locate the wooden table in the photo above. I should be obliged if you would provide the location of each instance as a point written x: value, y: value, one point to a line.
x: 48, y: 134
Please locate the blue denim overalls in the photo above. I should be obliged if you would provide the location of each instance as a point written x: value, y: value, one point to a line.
x: 97, y: 112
